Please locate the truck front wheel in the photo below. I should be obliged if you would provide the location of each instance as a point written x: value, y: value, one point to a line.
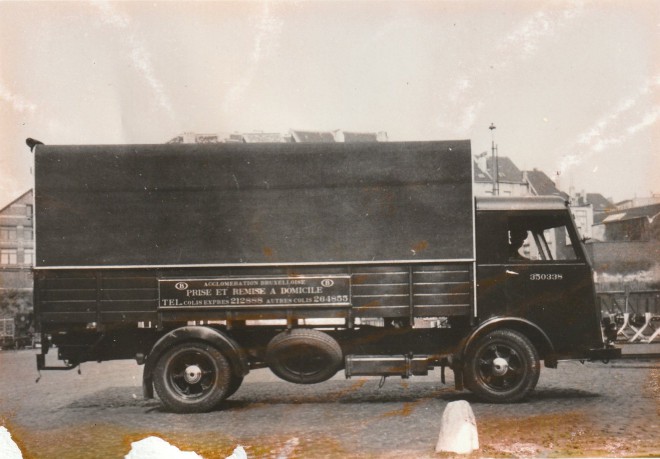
x: 502, y: 366
x: 192, y: 377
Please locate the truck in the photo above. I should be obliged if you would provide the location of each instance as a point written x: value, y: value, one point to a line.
x: 16, y: 331
x: 204, y: 262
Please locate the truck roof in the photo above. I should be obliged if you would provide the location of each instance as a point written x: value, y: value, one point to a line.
x: 225, y: 204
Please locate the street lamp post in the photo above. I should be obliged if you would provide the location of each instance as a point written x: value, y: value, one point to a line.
x: 495, y: 167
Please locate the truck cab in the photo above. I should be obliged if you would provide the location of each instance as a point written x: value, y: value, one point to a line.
x: 532, y: 264
x: 535, y: 297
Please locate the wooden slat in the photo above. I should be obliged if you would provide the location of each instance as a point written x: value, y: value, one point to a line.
x: 439, y: 289
x: 50, y: 295
x: 71, y: 317
x: 426, y: 277
x: 382, y: 311
x: 462, y: 298
x: 129, y: 305
x: 442, y: 311
x: 129, y: 294
x: 129, y: 283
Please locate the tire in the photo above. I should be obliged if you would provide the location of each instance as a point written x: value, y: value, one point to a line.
x: 234, y: 383
x: 502, y: 367
x: 192, y: 377
x: 304, y: 356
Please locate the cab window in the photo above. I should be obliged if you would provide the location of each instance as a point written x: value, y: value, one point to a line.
x: 540, y: 239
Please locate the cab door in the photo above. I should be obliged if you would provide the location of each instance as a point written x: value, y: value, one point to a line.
x: 548, y: 281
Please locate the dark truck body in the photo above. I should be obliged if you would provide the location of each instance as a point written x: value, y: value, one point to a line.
x: 206, y: 261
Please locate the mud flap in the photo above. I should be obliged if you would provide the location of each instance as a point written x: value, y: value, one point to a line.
x: 458, y: 379
x: 147, y: 385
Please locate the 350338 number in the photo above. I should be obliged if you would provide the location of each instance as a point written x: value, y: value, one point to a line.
x: 546, y: 277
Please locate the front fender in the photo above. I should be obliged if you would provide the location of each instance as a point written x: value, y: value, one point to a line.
x: 225, y: 344
x: 538, y: 337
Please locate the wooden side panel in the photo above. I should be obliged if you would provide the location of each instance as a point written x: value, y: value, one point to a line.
x: 381, y: 291
x: 366, y: 291
x: 442, y: 290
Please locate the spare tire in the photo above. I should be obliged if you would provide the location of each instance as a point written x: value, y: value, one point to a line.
x: 304, y: 356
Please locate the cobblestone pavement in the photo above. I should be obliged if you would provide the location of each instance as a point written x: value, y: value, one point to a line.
x: 577, y: 410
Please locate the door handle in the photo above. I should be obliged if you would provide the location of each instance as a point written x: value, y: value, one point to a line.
x: 513, y: 273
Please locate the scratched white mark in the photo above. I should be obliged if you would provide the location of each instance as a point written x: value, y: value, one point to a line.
x: 609, y: 131
x: 8, y: 447
x: 139, y: 55
x: 17, y: 102
x: 266, y: 41
x: 151, y: 447
x: 288, y: 449
x: 522, y: 42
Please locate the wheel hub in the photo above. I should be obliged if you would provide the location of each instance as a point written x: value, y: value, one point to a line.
x: 193, y: 374
x: 500, y: 366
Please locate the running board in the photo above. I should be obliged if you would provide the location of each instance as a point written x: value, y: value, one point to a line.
x: 387, y: 365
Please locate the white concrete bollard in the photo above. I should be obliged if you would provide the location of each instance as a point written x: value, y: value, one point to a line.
x: 8, y: 447
x: 458, y: 429
x: 157, y: 448
x: 239, y: 453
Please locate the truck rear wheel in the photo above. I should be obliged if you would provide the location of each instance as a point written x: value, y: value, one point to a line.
x: 192, y: 377
x: 502, y: 366
x: 304, y: 356
x: 234, y: 383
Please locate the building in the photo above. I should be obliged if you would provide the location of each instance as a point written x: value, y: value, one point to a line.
x: 191, y: 137
x: 17, y: 243
x: 638, y: 202
x: 510, y: 180
x: 638, y: 224
x: 542, y: 185
x: 598, y: 202
x: 630, y: 241
x: 586, y: 208
x: 359, y: 137
x: 312, y: 136
x: 294, y: 135
x: 265, y: 137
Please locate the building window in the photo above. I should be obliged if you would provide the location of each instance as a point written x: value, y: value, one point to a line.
x: 8, y: 234
x: 8, y: 257
x: 28, y: 257
x: 27, y: 234
x: 29, y: 210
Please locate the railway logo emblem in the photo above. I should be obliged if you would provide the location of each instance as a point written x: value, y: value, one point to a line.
x: 327, y: 282
x: 181, y: 286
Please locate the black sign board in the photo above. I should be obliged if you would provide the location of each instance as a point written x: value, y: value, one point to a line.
x: 255, y: 291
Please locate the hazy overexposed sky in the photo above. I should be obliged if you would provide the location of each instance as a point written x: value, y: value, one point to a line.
x: 573, y: 87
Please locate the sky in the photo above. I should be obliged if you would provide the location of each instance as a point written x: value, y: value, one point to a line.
x: 573, y: 87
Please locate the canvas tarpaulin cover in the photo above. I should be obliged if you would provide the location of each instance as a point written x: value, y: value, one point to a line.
x: 284, y: 203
